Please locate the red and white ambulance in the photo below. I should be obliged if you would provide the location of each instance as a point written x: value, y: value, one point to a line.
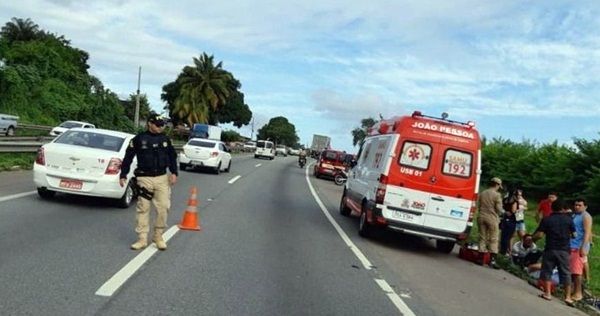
x: 418, y: 175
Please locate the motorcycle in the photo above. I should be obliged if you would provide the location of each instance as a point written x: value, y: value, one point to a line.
x: 302, y: 161
x: 340, y: 177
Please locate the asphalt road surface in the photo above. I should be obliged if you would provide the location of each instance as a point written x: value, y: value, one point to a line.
x: 272, y: 243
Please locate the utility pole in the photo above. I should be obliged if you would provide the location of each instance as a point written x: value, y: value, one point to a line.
x: 136, y: 120
x: 252, y: 133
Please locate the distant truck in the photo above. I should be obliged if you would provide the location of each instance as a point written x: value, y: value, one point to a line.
x: 8, y: 124
x: 320, y: 142
x: 206, y: 131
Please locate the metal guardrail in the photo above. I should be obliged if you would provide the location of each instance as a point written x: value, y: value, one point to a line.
x: 43, y: 139
x: 31, y: 146
x: 36, y: 127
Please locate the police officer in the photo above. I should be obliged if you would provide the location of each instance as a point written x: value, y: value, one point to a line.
x: 155, y: 154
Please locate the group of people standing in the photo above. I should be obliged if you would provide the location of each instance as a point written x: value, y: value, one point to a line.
x: 567, y: 229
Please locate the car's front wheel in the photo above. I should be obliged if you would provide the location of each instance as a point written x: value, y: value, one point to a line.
x: 364, y: 228
x: 344, y: 209
x: 45, y: 193
x: 127, y: 198
x: 10, y: 131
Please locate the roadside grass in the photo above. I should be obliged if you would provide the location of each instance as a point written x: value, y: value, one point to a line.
x: 10, y: 161
x: 593, y: 284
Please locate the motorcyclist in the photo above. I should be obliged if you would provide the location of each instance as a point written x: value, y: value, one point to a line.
x: 302, y: 157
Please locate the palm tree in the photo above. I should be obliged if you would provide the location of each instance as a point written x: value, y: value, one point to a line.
x: 204, y: 87
x: 20, y: 30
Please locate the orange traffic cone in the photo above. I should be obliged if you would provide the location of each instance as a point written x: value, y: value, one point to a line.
x: 190, y: 217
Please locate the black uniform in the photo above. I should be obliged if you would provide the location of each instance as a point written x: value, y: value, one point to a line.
x: 155, y: 153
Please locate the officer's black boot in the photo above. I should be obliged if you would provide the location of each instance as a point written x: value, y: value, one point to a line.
x: 493, y: 262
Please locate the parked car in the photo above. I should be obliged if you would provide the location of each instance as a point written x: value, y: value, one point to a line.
x: 281, y: 150
x: 250, y: 146
x: 8, y: 124
x: 328, y: 163
x: 205, y: 153
x: 418, y: 175
x: 294, y: 152
x: 265, y: 148
x: 64, y: 126
x: 84, y: 161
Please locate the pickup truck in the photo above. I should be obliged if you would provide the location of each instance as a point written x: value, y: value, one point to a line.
x: 8, y: 124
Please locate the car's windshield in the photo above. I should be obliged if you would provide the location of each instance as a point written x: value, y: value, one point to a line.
x: 330, y: 155
x: 201, y: 143
x: 70, y: 124
x: 264, y: 144
x: 91, y: 140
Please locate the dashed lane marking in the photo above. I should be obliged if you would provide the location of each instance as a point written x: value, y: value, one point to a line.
x: 389, y: 291
x: 234, y: 179
x: 117, y: 280
x: 258, y: 165
x: 16, y: 196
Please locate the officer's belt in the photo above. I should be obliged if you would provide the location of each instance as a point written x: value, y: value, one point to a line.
x: 149, y: 173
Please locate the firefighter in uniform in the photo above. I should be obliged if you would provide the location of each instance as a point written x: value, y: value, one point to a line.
x: 490, y: 209
x: 155, y: 154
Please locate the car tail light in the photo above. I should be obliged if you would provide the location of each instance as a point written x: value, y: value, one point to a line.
x: 114, y: 166
x: 472, y: 211
x: 380, y: 191
x: 214, y: 154
x: 40, y: 159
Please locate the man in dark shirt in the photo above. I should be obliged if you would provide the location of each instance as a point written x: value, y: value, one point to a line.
x: 558, y: 228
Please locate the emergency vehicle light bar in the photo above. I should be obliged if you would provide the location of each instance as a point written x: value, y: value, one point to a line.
x: 444, y: 118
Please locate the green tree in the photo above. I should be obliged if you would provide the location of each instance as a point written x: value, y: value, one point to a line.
x: 231, y: 136
x: 359, y: 133
x: 129, y: 106
x: 203, y: 87
x: 234, y: 111
x: 20, y: 30
x: 280, y: 131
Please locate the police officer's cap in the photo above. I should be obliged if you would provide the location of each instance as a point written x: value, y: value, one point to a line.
x: 156, y: 119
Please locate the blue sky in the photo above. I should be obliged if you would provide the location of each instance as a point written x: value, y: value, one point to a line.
x: 519, y: 69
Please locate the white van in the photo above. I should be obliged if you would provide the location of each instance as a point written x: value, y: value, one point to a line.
x: 265, y: 148
x: 418, y: 175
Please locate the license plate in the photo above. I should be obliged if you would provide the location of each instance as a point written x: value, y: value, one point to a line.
x: 196, y: 162
x: 71, y: 184
x: 403, y: 216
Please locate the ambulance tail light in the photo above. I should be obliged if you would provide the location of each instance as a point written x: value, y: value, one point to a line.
x: 114, y: 166
x: 40, y: 159
x: 472, y: 210
x: 380, y: 191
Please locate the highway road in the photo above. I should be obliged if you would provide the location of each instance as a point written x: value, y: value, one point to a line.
x: 272, y: 243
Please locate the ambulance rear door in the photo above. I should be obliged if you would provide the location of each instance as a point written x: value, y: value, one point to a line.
x: 408, y: 190
x: 453, y: 190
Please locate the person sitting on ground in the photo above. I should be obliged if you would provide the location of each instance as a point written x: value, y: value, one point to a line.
x: 558, y: 228
x: 526, y: 254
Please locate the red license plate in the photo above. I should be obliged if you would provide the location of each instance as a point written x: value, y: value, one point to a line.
x: 71, y: 184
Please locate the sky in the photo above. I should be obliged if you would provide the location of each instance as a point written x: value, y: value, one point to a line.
x: 521, y: 70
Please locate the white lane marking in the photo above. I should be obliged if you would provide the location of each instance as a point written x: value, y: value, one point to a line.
x: 363, y: 259
x: 258, y: 165
x: 234, y: 179
x: 389, y: 291
x: 115, y: 282
x: 16, y: 196
x: 400, y: 305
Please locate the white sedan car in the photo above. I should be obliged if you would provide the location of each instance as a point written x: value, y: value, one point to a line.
x: 65, y: 126
x: 84, y: 161
x: 205, y: 153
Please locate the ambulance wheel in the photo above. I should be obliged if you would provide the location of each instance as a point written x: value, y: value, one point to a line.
x: 364, y: 228
x: 444, y: 246
x: 344, y: 209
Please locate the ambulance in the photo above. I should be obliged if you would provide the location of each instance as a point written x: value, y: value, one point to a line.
x: 418, y: 175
